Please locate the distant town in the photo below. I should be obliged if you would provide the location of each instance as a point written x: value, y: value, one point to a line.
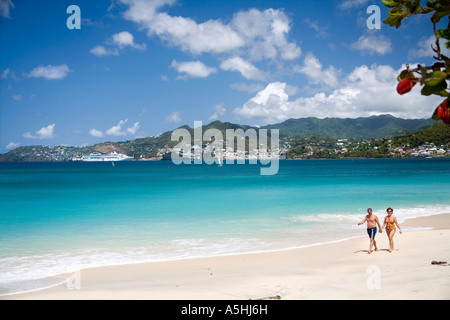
x: 431, y: 141
x: 307, y: 148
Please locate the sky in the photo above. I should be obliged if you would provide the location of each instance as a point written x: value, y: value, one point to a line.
x: 138, y: 68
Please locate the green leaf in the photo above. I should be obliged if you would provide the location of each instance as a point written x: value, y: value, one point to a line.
x: 424, y: 10
x: 434, y: 78
x: 443, y: 33
x: 394, y: 21
x: 405, y: 74
x: 447, y: 44
x: 390, y: 3
x: 437, y: 89
x: 397, y: 11
x: 431, y: 4
x: 439, y: 14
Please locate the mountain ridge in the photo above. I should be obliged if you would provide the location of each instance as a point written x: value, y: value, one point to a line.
x: 374, y: 127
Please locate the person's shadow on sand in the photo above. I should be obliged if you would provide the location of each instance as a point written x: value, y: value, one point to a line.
x: 365, y: 251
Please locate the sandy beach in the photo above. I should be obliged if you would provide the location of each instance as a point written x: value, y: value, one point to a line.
x: 339, y: 270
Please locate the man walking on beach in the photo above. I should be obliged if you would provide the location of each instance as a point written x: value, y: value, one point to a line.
x: 372, y: 221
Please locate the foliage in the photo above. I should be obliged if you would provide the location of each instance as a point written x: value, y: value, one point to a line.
x: 361, y: 128
x: 433, y: 78
x: 438, y: 134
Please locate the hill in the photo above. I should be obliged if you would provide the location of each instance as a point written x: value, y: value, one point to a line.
x: 375, y: 127
x: 439, y: 134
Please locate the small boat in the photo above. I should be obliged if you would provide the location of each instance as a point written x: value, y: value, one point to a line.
x: 219, y: 159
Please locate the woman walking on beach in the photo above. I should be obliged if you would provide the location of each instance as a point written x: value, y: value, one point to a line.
x: 390, y: 222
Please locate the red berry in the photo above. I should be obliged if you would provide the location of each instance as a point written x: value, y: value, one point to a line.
x: 444, y: 113
x: 406, y: 85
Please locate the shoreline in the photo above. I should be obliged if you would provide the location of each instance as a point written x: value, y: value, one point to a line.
x: 333, y: 270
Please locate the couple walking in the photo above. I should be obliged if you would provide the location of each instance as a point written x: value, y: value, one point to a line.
x: 372, y: 221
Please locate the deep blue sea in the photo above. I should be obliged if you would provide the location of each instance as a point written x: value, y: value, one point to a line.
x: 62, y: 217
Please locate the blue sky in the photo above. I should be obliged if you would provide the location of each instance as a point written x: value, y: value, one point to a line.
x: 138, y: 68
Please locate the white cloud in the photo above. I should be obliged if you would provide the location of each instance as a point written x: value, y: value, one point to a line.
x: 43, y: 133
x: 259, y: 34
x: 124, y: 39
x: 373, y: 44
x: 117, y: 129
x: 314, y: 72
x: 12, y: 145
x: 195, y: 69
x: 247, y: 70
x: 267, y: 104
x: 210, y: 36
x: 96, y: 133
x: 358, y: 96
x: 5, y: 5
x: 117, y: 42
x: 219, y: 111
x: 265, y: 34
x: 174, y: 117
x: 424, y: 48
x: 101, y: 51
x: 132, y: 130
x: 50, y: 72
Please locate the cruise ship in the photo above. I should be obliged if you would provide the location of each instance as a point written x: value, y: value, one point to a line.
x: 96, y: 156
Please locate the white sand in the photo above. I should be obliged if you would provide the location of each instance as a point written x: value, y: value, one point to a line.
x: 341, y: 270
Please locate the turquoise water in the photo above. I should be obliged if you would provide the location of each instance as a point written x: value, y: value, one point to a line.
x: 61, y: 217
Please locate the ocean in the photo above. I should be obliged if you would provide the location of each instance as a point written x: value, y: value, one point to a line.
x: 61, y: 217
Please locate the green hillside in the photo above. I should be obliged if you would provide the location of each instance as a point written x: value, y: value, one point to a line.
x: 374, y: 127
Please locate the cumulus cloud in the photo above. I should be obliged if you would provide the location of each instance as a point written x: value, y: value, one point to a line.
x: 132, y: 130
x: 117, y: 42
x: 96, y: 133
x: 373, y: 44
x: 118, y: 130
x: 101, y: 51
x: 12, y: 145
x: 195, y: 69
x: 265, y: 34
x: 357, y: 96
x: 125, y: 39
x: 258, y: 34
x: 314, y: 72
x: 174, y: 117
x: 43, y: 133
x: 247, y: 70
x: 210, y: 36
x: 50, y: 72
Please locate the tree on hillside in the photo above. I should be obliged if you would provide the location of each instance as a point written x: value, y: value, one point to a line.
x: 433, y: 78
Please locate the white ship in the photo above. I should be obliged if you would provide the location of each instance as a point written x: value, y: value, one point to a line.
x: 96, y: 156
